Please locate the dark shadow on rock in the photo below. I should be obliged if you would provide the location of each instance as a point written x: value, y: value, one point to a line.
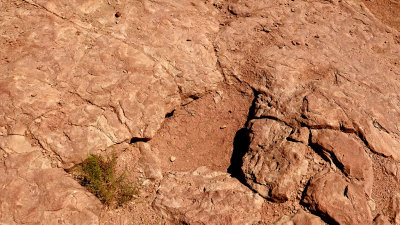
x: 241, y: 144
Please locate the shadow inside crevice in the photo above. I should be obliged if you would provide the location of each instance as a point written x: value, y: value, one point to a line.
x: 241, y: 144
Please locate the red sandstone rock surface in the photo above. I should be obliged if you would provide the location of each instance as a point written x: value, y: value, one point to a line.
x: 222, y: 111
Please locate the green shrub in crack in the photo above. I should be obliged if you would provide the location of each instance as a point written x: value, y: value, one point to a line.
x: 97, y: 174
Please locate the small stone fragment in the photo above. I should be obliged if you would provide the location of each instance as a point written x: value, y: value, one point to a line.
x: 372, y: 204
x: 145, y: 182
x: 391, y: 168
x: 300, y: 218
x: 150, y: 161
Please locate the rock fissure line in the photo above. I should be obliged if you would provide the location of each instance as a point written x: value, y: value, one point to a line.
x: 324, y: 216
x: 329, y: 157
x: 40, y: 144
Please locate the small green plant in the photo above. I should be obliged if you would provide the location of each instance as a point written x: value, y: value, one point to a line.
x: 97, y: 174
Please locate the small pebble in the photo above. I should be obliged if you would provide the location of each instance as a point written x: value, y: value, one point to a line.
x: 172, y: 158
x: 371, y: 204
x: 145, y: 182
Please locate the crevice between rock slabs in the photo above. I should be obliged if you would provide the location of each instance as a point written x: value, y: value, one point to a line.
x: 241, y: 145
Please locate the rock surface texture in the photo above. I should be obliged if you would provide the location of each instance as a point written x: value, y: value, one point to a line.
x: 302, y: 96
x: 207, y: 197
x: 34, y: 193
x: 300, y: 218
x: 274, y: 166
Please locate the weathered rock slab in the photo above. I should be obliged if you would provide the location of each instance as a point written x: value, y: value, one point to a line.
x: 31, y: 192
x: 348, y: 152
x: 207, y: 197
x: 331, y: 196
x: 89, y: 80
x: 274, y: 166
